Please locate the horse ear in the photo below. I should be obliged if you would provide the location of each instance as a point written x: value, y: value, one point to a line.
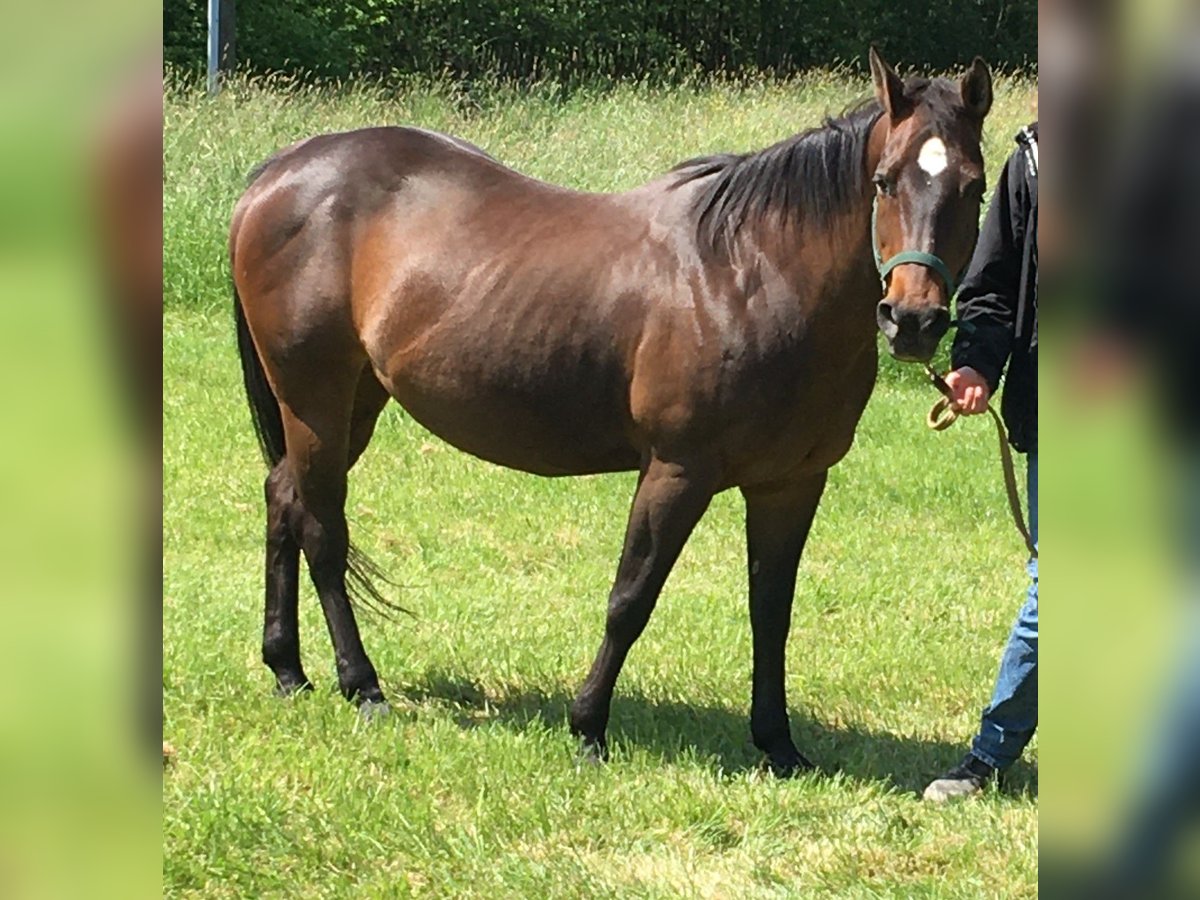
x: 889, y: 89
x: 976, y: 88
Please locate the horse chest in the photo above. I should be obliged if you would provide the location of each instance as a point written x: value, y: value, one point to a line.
x: 801, y: 422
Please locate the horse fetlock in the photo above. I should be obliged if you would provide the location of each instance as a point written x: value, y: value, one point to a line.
x: 771, y: 736
x: 589, y: 724
x: 782, y: 757
x: 281, y: 655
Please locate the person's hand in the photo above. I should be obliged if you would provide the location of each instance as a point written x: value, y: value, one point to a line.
x: 969, y: 390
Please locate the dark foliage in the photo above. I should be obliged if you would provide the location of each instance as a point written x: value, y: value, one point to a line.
x: 576, y: 41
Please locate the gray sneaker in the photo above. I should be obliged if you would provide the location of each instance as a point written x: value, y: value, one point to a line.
x: 966, y: 779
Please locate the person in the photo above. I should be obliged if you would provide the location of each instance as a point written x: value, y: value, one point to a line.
x: 997, y: 314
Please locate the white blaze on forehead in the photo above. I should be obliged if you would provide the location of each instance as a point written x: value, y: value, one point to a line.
x: 932, y: 158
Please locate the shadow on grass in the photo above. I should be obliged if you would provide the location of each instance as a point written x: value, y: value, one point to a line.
x: 674, y: 730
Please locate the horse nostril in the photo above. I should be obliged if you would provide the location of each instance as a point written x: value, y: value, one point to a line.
x: 885, y: 318
x: 936, y: 321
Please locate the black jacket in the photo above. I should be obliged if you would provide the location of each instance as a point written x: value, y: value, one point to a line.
x: 997, y: 304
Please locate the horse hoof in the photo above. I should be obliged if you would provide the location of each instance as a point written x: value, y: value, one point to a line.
x: 789, y: 764
x: 371, y: 710
x: 592, y: 752
x: 291, y: 686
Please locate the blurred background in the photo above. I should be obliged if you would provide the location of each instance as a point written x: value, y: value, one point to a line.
x: 1121, y: 734
x: 80, y: 270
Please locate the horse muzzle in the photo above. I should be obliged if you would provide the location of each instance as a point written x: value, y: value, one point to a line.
x: 912, y: 331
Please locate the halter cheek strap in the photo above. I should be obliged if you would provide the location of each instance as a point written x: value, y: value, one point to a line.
x: 918, y: 257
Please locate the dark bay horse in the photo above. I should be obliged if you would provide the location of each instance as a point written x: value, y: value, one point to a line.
x: 714, y: 328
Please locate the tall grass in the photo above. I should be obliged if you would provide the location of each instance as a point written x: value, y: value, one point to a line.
x: 595, y: 140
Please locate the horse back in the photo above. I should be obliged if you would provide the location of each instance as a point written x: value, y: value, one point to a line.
x: 483, y: 300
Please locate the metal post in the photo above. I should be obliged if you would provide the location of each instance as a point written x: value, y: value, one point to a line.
x: 214, y: 47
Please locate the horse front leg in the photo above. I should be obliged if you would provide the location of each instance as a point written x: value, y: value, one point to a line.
x: 670, y: 499
x: 778, y: 520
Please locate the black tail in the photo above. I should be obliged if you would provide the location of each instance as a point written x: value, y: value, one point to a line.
x: 362, y: 573
x: 264, y: 408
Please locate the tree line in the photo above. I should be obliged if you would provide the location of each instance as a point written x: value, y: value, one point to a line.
x: 575, y: 41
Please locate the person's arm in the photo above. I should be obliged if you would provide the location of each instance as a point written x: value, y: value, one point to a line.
x: 987, y: 302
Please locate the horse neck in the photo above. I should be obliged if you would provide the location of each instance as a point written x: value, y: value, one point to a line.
x: 842, y: 250
x: 821, y: 270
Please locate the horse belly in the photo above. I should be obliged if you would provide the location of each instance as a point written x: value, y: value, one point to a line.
x: 557, y: 426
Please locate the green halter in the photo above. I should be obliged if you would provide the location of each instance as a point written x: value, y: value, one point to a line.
x: 906, y: 256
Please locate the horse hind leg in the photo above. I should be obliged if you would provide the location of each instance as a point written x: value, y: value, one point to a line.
x: 281, y: 631
x: 324, y: 436
x: 285, y: 523
x: 281, y: 626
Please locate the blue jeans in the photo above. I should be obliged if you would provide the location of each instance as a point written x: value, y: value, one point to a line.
x: 1010, y: 719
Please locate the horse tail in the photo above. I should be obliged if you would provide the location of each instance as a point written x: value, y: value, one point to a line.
x: 264, y: 407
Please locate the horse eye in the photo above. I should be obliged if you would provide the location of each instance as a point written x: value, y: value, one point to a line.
x: 883, y: 185
x: 974, y: 188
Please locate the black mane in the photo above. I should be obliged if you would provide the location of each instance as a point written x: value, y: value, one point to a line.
x: 808, y: 178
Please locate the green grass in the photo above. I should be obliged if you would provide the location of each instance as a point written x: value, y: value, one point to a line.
x: 905, y: 596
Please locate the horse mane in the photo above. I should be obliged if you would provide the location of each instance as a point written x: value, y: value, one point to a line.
x: 808, y: 178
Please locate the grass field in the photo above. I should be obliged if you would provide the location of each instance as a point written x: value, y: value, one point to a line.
x: 470, y: 788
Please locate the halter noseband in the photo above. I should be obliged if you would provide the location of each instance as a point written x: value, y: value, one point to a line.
x: 918, y: 257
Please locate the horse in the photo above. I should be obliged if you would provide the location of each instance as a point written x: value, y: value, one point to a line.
x: 714, y: 328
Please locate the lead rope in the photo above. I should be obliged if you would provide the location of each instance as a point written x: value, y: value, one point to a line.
x: 944, y: 413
